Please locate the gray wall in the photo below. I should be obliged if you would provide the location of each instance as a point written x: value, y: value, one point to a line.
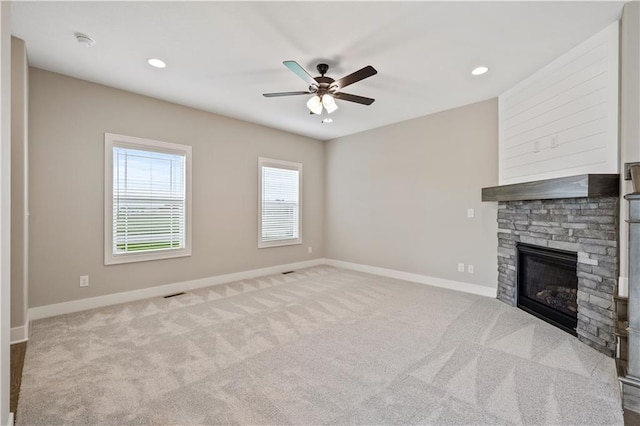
x: 67, y: 121
x: 19, y: 105
x: 397, y: 197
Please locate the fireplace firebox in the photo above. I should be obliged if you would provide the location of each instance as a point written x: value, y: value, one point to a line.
x: 547, y: 285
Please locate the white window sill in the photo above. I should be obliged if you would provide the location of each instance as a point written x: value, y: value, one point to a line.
x: 143, y: 257
x: 279, y: 243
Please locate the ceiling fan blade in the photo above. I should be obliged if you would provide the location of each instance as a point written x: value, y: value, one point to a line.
x: 361, y: 74
x: 275, y: 95
x: 353, y: 98
x: 300, y: 72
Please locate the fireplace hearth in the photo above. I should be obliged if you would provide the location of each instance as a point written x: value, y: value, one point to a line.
x: 548, y: 285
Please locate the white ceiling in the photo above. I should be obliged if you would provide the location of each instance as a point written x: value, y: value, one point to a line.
x: 222, y: 56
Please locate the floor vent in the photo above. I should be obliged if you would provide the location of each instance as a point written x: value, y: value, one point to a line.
x: 174, y: 295
x: 288, y: 272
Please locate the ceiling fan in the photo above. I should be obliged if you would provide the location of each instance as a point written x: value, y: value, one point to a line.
x: 325, y: 89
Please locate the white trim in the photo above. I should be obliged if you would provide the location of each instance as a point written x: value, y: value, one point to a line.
x: 623, y: 286
x: 25, y: 194
x: 281, y: 164
x: 10, y: 421
x: 416, y: 278
x: 112, y: 140
x: 46, y: 311
x: 20, y: 334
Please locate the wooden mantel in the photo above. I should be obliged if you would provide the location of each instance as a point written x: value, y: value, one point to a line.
x: 579, y: 186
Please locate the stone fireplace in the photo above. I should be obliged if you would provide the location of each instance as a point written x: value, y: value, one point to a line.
x: 577, y: 222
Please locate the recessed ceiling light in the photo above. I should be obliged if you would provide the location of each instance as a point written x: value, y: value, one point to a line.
x: 479, y: 70
x: 157, y: 63
x: 84, y: 40
x: 328, y: 120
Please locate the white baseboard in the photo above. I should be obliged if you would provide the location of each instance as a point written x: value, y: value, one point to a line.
x: 416, y: 278
x: 10, y: 419
x: 20, y: 334
x: 623, y: 286
x: 129, y: 296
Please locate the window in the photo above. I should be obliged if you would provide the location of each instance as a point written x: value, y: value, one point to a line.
x: 147, y: 199
x: 279, y: 187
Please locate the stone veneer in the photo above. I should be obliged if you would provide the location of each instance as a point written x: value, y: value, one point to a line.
x: 587, y: 226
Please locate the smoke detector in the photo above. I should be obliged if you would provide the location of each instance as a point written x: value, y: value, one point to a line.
x: 84, y: 40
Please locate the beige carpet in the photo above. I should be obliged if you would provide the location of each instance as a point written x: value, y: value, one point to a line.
x: 320, y: 346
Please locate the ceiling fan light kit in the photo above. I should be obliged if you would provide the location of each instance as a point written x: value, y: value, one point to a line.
x: 329, y: 103
x: 315, y: 105
x: 326, y: 90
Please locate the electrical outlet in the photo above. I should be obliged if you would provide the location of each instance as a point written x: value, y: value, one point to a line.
x: 310, y: 249
x: 471, y: 213
x: 460, y: 267
x: 470, y: 269
x: 84, y: 281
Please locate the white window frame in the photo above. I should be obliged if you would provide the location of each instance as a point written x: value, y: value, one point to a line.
x: 281, y: 164
x: 112, y: 140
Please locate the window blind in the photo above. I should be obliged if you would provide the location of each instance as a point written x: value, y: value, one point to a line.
x: 149, y: 200
x: 280, y: 204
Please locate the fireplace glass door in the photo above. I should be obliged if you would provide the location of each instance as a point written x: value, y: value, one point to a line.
x: 548, y: 285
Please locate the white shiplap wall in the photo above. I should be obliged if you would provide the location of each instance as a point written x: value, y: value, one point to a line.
x: 563, y: 120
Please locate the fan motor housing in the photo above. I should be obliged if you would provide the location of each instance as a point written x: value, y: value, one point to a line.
x: 324, y: 85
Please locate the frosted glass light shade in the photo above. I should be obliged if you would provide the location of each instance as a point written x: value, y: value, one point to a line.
x: 315, y: 105
x: 329, y: 103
